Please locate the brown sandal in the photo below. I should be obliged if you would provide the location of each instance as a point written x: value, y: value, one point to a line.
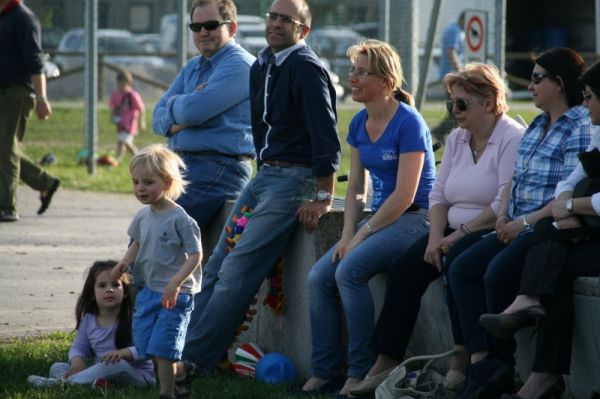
x: 183, y: 386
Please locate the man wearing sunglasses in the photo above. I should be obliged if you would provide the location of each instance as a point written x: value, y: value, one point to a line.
x: 205, y: 114
x: 295, y: 136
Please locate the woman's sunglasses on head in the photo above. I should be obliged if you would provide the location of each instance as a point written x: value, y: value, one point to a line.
x: 208, y: 25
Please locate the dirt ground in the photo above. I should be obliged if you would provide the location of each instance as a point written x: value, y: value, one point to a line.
x: 43, y: 259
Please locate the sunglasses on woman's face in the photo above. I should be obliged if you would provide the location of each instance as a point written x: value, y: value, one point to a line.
x: 208, y: 25
x: 460, y: 103
x: 537, y: 77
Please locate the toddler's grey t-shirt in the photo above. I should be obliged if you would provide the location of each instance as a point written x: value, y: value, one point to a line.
x: 165, y: 238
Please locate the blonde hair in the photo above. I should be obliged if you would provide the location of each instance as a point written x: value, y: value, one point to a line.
x: 482, y: 80
x: 383, y: 60
x: 159, y: 160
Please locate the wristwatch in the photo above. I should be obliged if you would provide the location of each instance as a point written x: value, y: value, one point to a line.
x: 569, y: 205
x: 323, y: 195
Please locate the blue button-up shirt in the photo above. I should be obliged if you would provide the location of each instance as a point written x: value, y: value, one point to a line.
x: 546, y: 159
x: 211, y: 97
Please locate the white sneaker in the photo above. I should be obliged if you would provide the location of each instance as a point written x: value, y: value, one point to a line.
x: 39, y: 381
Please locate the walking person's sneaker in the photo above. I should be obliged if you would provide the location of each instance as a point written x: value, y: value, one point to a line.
x: 47, y: 197
x: 6, y: 216
x: 39, y: 381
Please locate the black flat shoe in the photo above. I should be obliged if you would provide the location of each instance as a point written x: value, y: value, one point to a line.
x: 504, y: 325
x: 488, y: 378
x: 46, y: 198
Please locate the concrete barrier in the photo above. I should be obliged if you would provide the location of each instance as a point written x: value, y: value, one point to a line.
x: 289, y: 333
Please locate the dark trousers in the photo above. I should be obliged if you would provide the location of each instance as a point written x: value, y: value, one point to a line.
x: 16, y: 105
x: 485, y: 279
x: 407, y: 281
x: 549, y: 270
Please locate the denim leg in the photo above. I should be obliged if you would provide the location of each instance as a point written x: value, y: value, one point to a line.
x: 211, y: 269
x: 325, y: 311
x: 352, y: 274
x: 466, y: 283
x: 277, y: 192
x: 212, y: 180
x: 459, y: 247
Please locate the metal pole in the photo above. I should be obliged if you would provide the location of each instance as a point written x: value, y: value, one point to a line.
x: 182, y: 19
x: 500, y: 33
x: 433, y: 22
x: 384, y: 15
x: 91, y: 82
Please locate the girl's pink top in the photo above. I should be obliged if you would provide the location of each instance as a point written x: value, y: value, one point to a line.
x: 130, y: 106
x: 466, y: 187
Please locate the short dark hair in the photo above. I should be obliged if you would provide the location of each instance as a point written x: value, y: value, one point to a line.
x: 227, y: 9
x: 124, y: 76
x: 591, y: 77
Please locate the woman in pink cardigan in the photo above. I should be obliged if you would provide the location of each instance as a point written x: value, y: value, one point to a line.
x: 478, y: 161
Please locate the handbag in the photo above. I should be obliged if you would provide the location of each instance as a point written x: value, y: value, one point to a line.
x: 590, y: 161
x: 416, y: 377
x: 586, y: 188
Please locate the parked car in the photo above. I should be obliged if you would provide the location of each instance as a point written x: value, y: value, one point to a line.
x: 51, y: 36
x: 250, y: 19
x: 252, y: 44
x: 250, y: 30
x: 110, y: 41
x: 331, y: 43
x: 150, y: 41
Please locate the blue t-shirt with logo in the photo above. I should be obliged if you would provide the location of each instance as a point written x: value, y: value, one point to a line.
x: 406, y: 132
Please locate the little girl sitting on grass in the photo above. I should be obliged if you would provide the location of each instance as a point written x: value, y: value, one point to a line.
x: 103, y: 312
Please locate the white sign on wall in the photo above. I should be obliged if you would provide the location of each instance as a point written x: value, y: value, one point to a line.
x: 476, y: 31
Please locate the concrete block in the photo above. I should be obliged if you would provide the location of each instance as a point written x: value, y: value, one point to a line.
x: 289, y: 333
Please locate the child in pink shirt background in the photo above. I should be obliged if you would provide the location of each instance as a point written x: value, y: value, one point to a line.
x: 128, y: 113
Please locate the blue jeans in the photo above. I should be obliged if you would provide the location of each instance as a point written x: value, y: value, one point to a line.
x: 230, y: 281
x: 213, y: 179
x: 485, y: 279
x: 348, y: 280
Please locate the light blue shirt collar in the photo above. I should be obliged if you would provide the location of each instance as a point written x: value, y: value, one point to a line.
x: 280, y: 56
x: 218, y: 56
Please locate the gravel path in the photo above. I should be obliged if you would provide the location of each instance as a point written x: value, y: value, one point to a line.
x: 43, y: 259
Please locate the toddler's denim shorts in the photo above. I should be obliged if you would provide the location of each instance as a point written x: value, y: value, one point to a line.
x: 158, y: 331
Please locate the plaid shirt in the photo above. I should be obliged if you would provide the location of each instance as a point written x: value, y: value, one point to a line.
x: 544, y: 160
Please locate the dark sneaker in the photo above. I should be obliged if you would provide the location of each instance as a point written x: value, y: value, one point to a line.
x: 46, y: 198
x: 6, y: 216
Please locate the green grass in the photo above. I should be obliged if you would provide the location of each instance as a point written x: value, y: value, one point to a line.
x: 20, y: 358
x: 64, y: 135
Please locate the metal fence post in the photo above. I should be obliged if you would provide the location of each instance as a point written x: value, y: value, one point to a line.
x: 91, y: 83
x: 181, y: 33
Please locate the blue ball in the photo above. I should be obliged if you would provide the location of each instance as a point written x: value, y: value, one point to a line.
x: 275, y: 368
